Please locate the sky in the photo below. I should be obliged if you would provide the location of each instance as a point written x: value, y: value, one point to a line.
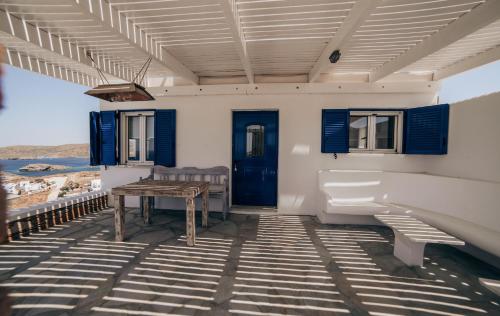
x: 472, y: 83
x: 41, y: 110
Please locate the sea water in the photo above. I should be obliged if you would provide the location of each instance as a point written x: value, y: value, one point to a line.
x: 73, y: 164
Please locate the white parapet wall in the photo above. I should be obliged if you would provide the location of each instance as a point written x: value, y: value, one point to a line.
x: 474, y: 141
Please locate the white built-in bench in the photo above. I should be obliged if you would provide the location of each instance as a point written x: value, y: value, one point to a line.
x: 465, y: 209
x: 492, y: 285
x: 411, y: 235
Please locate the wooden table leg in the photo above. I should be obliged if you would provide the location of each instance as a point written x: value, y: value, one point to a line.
x: 190, y: 222
x: 119, y: 217
x: 204, y: 210
x: 146, y: 208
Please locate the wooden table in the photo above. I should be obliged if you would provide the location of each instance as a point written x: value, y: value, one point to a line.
x: 160, y: 188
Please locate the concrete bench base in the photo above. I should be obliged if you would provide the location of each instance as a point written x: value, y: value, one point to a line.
x: 411, y: 236
x: 408, y: 251
x: 492, y: 285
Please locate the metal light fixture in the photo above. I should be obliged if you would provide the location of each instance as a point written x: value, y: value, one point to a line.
x: 335, y: 56
x: 121, y: 92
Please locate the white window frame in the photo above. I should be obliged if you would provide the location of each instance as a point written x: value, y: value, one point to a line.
x: 372, y: 116
x: 142, y: 137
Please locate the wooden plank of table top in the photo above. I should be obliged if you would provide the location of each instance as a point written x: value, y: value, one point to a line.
x: 162, y: 188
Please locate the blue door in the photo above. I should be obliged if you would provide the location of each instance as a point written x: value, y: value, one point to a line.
x: 255, y: 158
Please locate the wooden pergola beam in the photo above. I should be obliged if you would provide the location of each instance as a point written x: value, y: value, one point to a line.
x: 18, y: 30
x: 233, y: 20
x: 118, y: 24
x: 357, y: 15
x: 483, y: 58
x: 469, y: 23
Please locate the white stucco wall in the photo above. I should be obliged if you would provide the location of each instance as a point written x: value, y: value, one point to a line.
x: 204, y: 138
x: 474, y: 141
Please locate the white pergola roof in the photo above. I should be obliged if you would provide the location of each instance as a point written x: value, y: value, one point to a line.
x: 250, y: 41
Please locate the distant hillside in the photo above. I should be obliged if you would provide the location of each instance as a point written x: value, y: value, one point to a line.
x: 32, y: 152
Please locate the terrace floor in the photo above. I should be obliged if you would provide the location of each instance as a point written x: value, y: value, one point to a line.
x: 248, y: 265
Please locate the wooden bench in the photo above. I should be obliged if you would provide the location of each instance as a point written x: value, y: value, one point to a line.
x: 411, y: 235
x: 218, y: 177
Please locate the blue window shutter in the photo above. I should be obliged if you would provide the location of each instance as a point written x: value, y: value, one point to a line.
x: 95, y: 139
x: 426, y: 130
x: 335, y: 131
x: 108, y: 138
x: 165, y: 138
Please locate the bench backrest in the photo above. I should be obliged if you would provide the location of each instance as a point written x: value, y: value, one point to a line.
x: 470, y: 200
x: 351, y: 186
x: 214, y: 175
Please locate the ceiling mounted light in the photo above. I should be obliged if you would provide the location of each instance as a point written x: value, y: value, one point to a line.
x: 121, y: 92
x: 335, y: 56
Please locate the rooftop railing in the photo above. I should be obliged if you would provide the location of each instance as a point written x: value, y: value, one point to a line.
x: 25, y: 221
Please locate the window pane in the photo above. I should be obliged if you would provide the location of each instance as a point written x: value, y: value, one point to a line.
x: 358, y: 132
x: 384, y: 132
x: 255, y: 141
x: 133, y: 138
x: 150, y: 137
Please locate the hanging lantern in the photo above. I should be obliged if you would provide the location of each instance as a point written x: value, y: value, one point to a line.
x: 120, y: 92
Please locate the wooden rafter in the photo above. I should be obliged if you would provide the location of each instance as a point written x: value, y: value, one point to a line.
x: 55, y: 48
x: 133, y: 35
x: 469, y: 23
x: 469, y: 63
x: 357, y: 15
x: 233, y: 20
